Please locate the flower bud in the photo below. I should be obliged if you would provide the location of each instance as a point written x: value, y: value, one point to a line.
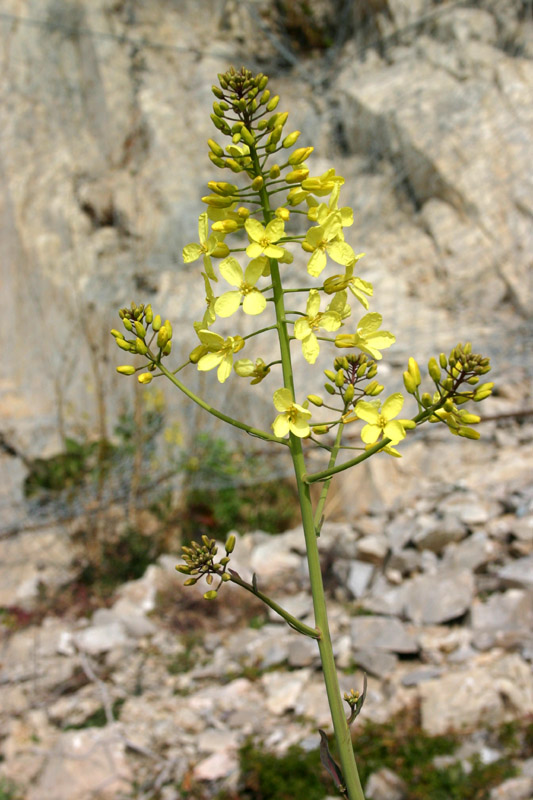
x: 215, y: 148
x: 265, y: 97
x: 140, y: 346
x: 283, y: 213
x: 299, y: 155
x: 434, y: 369
x: 443, y: 361
x: 468, y: 433
x: 409, y: 382
x: 247, y: 136
x: 218, y: 162
x: 339, y: 378
x: 211, y: 595
x: 140, y: 329
x: 320, y: 429
x: 163, y: 336
x: 274, y: 171
x: 407, y: 424
x: 156, y: 324
x: 374, y: 388
x: 426, y: 400
x: 414, y: 370
x: 190, y: 581
x: 148, y: 315
x: 145, y: 377
x: 116, y: 334
x: 290, y: 139
x: 257, y: 183
x: 225, y: 226
x: 296, y: 176
x: 329, y: 388
x: 223, y: 188
x: 217, y: 92
x: 315, y: 400
x: 329, y: 374
x: 128, y: 324
x: 349, y: 393
x: 215, y: 201
x: 167, y: 348
x: 196, y: 354
x: 230, y: 543
x: 126, y: 370
x: 123, y: 344
x: 469, y: 419
x: 272, y: 103
x: 183, y: 568
x: 221, y: 250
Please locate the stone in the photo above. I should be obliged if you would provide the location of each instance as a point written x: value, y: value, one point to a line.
x: 282, y: 690
x: 372, y: 548
x: 376, y: 662
x: 382, y: 633
x: 484, y: 694
x: 517, y: 573
x: 418, y: 676
x: 101, y: 638
x: 473, y: 552
x: 216, y: 766
x: 303, y: 652
x: 359, y: 577
x: 519, y: 788
x: 385, y: 785
x: 84, y: 763
x: 434, y: 533
x: 431, y: 599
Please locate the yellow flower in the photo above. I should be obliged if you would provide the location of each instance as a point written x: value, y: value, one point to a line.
x: 220, y: 353
x: 254, y: 302
x: 247, y: 369
x: 293, y: 418
x: 381, y: 422
x: 323, y: 185
x: 209, y: 245
x: 327, y: 238
x: 263, y: 240
x: 317, y: 212
x: 305, y: 327
x: 209, y: 316
x: 368, y: 338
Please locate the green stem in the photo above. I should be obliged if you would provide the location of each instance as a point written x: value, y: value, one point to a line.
x: 295, y: 623
x: 325, y: 489
x: 340, y: 725
x: 216, y: 413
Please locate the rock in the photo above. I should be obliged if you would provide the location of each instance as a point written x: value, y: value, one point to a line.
x: 303, y: 652
x: 382, y: 633
x: 376, y: 662
x: 359, y: 577
x: 471, y: 553
x: 438, y: 598
x: 517, y: 573
x: 485, y: 694
x: 519, y: 788
x: 372, y: 548
x: 101, y: 638
x: 283, y: 690
x: 434, y: 533
x: 420, y: 675
x: 269, y: 560
x: 84, y: 763
x: 217, y: 766
x: 385, y: 785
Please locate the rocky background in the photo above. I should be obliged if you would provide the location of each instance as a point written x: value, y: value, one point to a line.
x: 426, y: 110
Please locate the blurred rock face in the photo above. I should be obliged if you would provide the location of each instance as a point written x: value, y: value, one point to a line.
x: 424, y: 108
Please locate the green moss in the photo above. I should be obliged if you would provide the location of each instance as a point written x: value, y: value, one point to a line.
x: 185, y: 660
x: 9, y: 790
x: 97, y: 719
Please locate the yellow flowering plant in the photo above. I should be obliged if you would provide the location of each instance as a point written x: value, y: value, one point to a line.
x: 272, y: 183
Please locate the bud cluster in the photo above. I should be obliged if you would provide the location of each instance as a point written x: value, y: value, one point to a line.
x: 200, y: 562
x: 346, y: 376
x: 140, y: 322
x: 449, y: 373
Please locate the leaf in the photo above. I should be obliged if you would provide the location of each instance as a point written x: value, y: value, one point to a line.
x: 328, y: 762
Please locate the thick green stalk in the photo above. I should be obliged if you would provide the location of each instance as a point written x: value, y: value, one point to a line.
x: 340, y: 725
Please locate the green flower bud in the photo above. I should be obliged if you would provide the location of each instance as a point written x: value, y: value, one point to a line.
x: 190, y: 581
x: 447, y: 384
x: 291, y: 139
x: 140, y: 346
x: 183, y: 568
x: 320, y: 429
x: 156, y: 324
x: 468, y: 433
x: 148, y: 315
x: 225, y: 226
x: 315, y: 400
x: 218, y: 162
x: 116, y: 334
x: 145, y: 377
x: 265, y: 97
x: 272, y: 103
x: 262, y: 81
x: 257, y: 183
x: 339, y: 378
x: 225, y: 576
x: 434, y: 370
x: 215, y: 148
x: 223, y: 189
x: 426, y: 400
x: 123, y: 344
x: 329, y: 388
x: 443, y: 360
x: 349, y: 393
x: 473, y: 380
x: 282, y: 119
x: 128, y: 324
x: 408, y: 424
x: 247, y: 136
x: 274, y: 171
x: 217, y: 92
x: 163, y: 337
x: 469, y: 419
x: 230, y: 543
x: 374, y: 388
x: 329, y: 374
x: 140, y: 329
x: 167, y: 348
x: 126, y: 370
x: 300, y: 155
x: 211, y: 595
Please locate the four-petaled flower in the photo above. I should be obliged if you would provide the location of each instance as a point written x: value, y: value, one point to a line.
x: 263, y: 240
x: 220, y: 353
x: 368, y: 338
x: 327, y: 238
x: 254, y: 302
x: 209, y: 245
x: 358, y: 287
x: 293, y: 418
x: 381, y: 422
x: 305, y: 327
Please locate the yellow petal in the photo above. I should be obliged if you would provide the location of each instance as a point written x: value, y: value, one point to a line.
x: 254, y: 303
x: 227, y: 304
x: 282, y: 399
